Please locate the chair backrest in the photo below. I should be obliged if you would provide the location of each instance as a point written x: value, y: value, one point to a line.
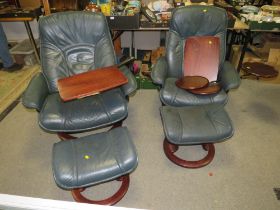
x: 73, y: 43
x: 191, y: 21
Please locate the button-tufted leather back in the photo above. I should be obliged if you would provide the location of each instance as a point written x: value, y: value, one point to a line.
x: 193, y: 21
x: 72, y: 43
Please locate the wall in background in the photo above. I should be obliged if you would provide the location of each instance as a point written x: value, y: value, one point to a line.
x: 15, y: 31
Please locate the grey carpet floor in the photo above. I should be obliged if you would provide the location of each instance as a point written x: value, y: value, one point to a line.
x: 243, y: 174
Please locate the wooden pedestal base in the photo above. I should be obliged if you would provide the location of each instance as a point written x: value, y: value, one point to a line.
x: 170, y: 149
x: 76, y: 193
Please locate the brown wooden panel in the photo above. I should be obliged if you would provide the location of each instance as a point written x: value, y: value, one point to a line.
x: 46, y: 6
x: 60, y: 5
x: 14, y: 19
x: 201, y: 57
x: 90, y: 83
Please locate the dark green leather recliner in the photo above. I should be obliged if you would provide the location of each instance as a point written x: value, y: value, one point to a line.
x: 191, y: 118
x: 186, y: 22
x: 73, y: 43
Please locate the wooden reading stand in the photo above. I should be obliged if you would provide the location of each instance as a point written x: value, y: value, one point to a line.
x: 90, y: 83
x: 192, y: 82
x: 259, y: 70
x: 201, y: 64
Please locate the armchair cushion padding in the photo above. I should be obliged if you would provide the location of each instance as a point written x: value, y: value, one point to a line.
x: 229, y: 78
x: 72, y: 43
x: 36, y: 92
x: 93, y: 159
x: 131, y: 85
x: 83, y: 114
x: 159, y: 71
x: 196, y: 125
x: 172, y: 95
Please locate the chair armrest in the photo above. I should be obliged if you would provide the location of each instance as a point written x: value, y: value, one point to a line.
x: 211, y: 89
x: 228, y: 77
x: 131, y: 86
x: 36, y: 92
x: 159, y: 71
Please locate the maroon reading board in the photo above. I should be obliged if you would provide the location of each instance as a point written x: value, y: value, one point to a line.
x: 201, y: 57
x: 90, y: 83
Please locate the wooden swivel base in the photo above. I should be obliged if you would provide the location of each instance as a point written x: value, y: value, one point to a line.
x: 67, y: 136
x: 170, y: 149
x: 76, y: 193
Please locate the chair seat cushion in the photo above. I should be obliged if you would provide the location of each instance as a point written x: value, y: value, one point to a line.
x: 93, y: 159
x: 196, y: 125
x: 171, y: 95
x: 83, y: 114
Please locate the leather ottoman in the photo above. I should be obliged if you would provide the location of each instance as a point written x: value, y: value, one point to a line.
x: 194, y: 125
x: 91, y: 160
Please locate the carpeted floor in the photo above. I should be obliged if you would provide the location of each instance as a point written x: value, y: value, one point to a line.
x: 13, y: 84
x: 243, y: 174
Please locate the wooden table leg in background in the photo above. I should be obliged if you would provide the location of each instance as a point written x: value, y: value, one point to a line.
x: 46, y: 6
x: 32, y: 40
x: 247, y: 39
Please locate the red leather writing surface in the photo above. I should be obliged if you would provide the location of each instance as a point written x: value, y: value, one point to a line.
x: 201, y: 57
x: 90, y: 83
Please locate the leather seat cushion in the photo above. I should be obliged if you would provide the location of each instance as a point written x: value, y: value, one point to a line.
x: 93, y: 159
x: 196, y: 125
x: 171, y: 95
x: 83, y: 114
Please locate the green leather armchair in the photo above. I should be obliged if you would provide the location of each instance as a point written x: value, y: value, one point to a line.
x: 186, y: 22
x: 73, y: 43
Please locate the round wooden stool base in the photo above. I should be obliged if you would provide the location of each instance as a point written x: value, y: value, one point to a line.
x: 76, y: 193
x: 259, y: 70
x: 170, y: 149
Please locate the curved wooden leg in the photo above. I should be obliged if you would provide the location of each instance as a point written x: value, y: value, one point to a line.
x: 117, y: 124
x: 170, y: 147
x: 169, y: 152
x: 65, y: 136
x: 76, y: 193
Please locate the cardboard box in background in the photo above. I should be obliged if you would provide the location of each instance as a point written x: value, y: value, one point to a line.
x: 269, y: 46
x: 249, y: 56
x: 276, y: 2
x: 274, y: 58
x: 23, y: 53
x: 30, y: 3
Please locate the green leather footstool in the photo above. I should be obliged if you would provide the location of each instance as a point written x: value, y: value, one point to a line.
x: 195, y: 125
x: 91, y: 160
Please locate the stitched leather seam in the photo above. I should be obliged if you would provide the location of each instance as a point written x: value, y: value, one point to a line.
x: 111, y: 139
x: 181, y: 127
x: 75, y: 165
x: 211, y: 120
x: 176, y: 93
x: 104, y: 107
